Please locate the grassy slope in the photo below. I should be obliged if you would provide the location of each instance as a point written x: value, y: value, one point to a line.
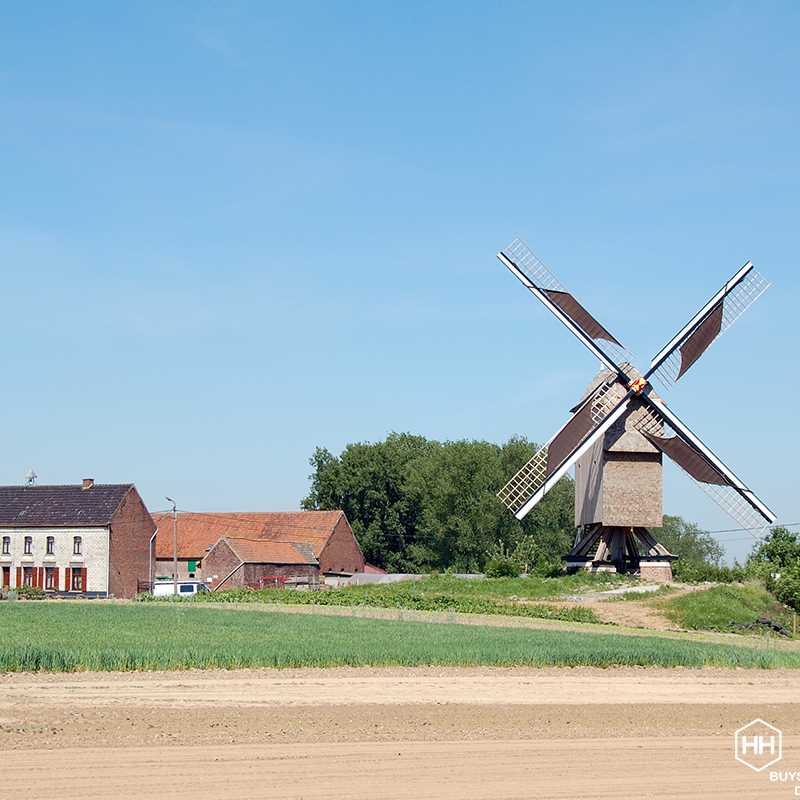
x: 66, y: 637
x: 716, y: 608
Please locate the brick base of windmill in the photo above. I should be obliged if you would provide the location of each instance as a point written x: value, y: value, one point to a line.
x: 618, y: 491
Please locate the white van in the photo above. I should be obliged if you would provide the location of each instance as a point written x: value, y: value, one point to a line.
x: 185, y: 588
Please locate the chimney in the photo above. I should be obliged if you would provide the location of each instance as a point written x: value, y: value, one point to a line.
x: 87, y: 483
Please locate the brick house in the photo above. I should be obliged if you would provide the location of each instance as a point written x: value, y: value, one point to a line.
x: 259, y: 563
x: 91, y: 540
x: 327, y: 533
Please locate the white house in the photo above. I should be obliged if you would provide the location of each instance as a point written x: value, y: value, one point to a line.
x: 87, y: 539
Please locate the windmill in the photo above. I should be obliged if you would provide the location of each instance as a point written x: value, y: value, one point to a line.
x: 621, y: 427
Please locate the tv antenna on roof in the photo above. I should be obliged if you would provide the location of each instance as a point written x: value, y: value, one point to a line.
x: 30, y: 477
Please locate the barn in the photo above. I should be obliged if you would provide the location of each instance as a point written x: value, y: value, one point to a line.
x: 326, y: 534
x: 260, y: 564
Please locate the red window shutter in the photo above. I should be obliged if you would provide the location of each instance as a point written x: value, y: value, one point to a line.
x: 55, y: 579
x: 35, y: 578
x: 19, y: 577
x: 67, y: 579
x: 83, y: 579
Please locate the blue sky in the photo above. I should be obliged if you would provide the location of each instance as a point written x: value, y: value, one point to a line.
x: 232, y: 233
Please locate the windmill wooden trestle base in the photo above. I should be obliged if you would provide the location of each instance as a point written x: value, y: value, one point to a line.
x: 602, y: 548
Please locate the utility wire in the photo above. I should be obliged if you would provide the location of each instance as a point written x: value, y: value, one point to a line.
x: 242, y: 518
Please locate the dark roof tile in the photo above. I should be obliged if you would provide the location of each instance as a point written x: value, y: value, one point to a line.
x: 44, y: 506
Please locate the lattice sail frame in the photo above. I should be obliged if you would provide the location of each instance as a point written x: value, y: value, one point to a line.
x: 725, y: 496
x: 526, y: 481
x: 533, y: 474
x: 734, y: 304
x: 606, y: 397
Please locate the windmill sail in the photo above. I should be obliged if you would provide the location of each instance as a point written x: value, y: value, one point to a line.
x: 666, y: 432
x: 538, y: 279
x: 592, y: 418
x: 712, y: 320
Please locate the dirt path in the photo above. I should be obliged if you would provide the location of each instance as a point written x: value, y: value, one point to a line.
x: 629, y: 614
x: 353, y: 733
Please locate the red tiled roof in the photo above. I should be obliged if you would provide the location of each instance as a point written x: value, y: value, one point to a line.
x: 197, y: 532
x: 372, y: 569
x: 255, y: 551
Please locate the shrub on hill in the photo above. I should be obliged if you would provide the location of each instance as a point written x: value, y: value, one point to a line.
x: 700, y: 572
x: 786, y: 586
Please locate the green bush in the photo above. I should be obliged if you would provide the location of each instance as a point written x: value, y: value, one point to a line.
x: 780, y: 548
x: 700, y: 572
x: 548, y: 568
x: 786, y: 587
x: 31, y: 593
x: 502, y: 567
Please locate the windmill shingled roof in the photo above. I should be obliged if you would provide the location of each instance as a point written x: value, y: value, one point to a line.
x: 197, y: 531
x: 45, y: 506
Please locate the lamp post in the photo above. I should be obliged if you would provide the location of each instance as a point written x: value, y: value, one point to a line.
x: 174, y: 546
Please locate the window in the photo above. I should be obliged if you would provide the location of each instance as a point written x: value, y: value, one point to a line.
x: 6, y: 545
x: 28, y: 545
x: 186, y: 588
x: 27, y: 576
x: 77, y: 578
x: 51, y: 545
x: 76, y: 545
x: 50, y: 578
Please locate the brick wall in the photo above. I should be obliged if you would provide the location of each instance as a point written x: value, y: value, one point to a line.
x: 218, y: 563
x: 658, y: 572
x: 342, y: 553
x: 131, y: 529
x: 632, y: 489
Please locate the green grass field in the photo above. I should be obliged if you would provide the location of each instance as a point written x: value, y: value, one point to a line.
x: 64, y: 636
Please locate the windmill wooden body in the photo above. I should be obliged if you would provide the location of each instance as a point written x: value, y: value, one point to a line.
x: 621, y: 428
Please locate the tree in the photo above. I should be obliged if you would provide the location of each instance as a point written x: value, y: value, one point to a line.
x: 687, y: 541
x: 779, y: 549
x: 368, y: 483
x: 777, y: 561
x: 461, y: 519
x: 417, y: 504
